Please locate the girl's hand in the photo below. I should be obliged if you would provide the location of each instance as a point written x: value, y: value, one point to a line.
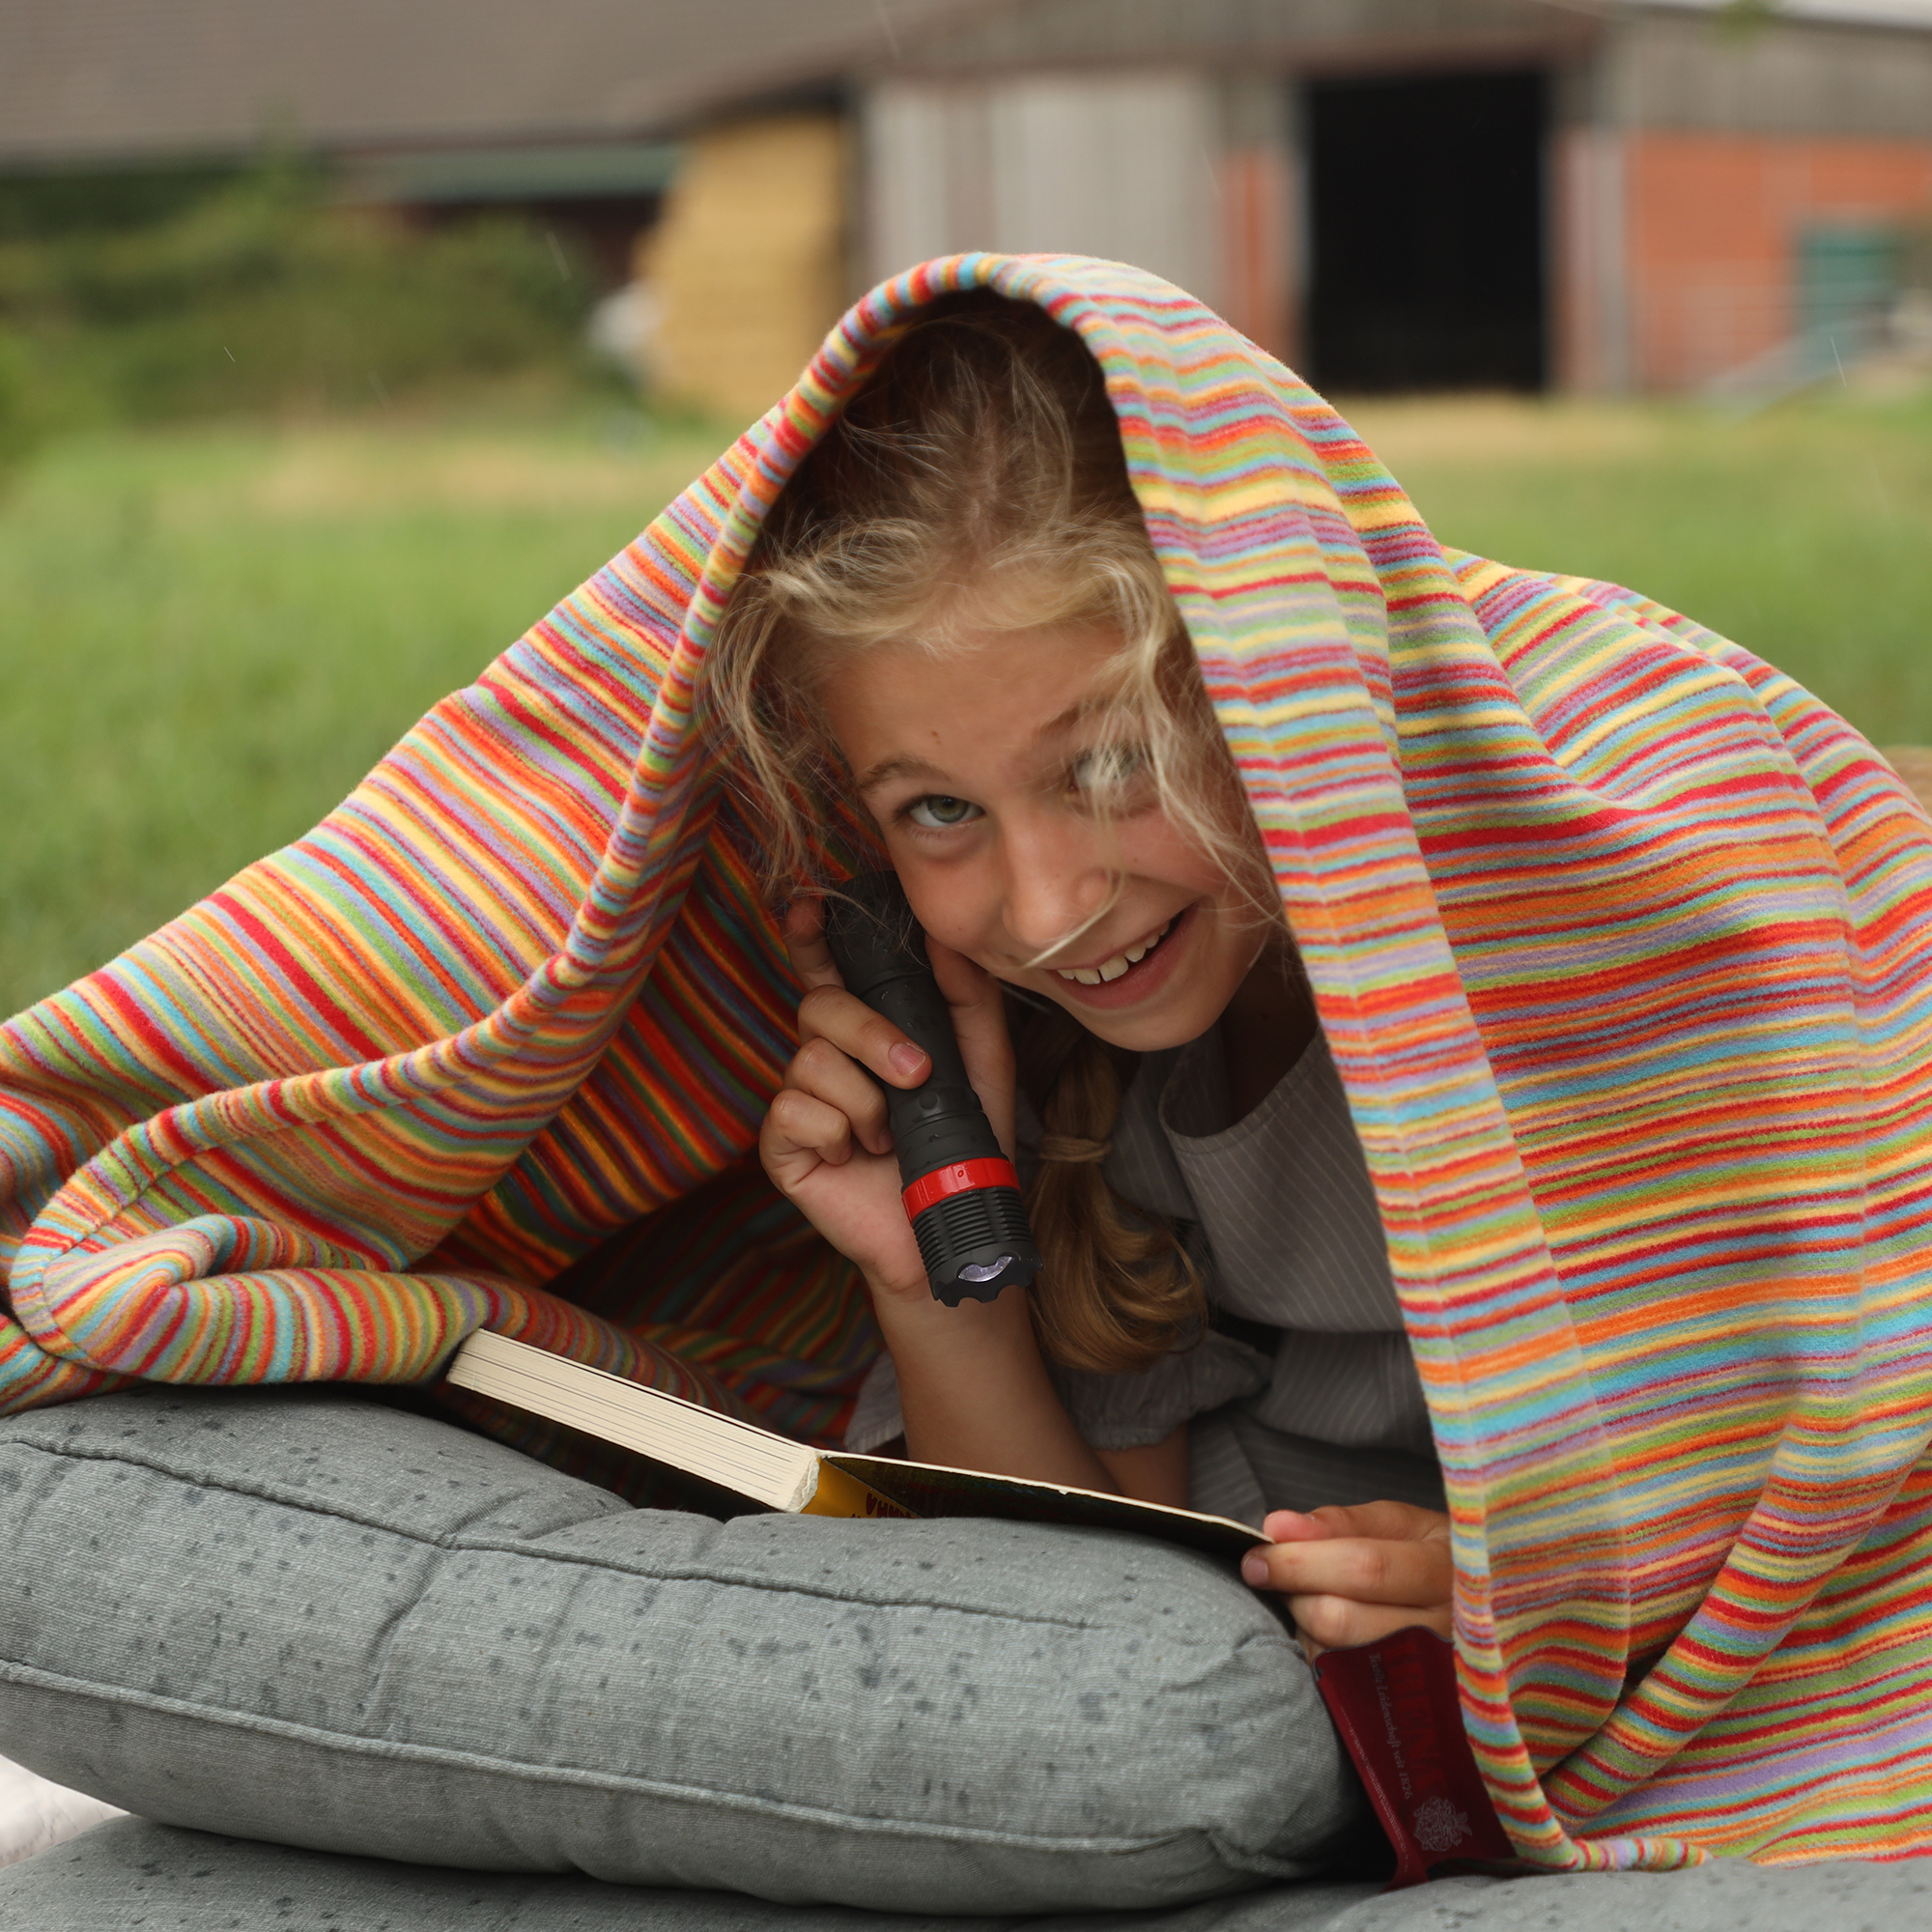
x: 1352, y: 1576
x: 825, y: 1142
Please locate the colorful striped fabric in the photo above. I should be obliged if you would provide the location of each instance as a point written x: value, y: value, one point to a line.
x: 1623, y: 943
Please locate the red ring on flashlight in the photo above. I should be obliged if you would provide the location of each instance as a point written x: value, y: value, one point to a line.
x: 958, y: 1177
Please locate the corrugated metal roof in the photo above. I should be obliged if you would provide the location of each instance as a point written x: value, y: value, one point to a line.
x: 93, y: 80
x: 96, y: 79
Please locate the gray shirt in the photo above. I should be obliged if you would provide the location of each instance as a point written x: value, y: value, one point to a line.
x: 1318, y: 1402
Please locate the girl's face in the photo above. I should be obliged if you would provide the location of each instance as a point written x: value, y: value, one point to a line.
x: 1013, y: 814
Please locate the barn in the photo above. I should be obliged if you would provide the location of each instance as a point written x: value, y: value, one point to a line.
x: 1419, y: 193
x: 1584, y: 195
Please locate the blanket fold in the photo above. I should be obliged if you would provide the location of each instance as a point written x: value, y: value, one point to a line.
x: 1621, y: 941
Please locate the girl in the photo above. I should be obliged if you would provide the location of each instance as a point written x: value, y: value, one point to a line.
x: 955, y: 624
x: 1622, y: 949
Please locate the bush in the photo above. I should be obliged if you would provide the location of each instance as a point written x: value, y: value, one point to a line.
x: 259, y: 295
x: 19, y: 409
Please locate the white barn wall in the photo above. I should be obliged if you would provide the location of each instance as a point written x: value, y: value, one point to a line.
x: 1119, y: 165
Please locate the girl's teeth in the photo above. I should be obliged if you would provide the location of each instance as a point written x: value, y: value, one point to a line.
x: 1112, y: 969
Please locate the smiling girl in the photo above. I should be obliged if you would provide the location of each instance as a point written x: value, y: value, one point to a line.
x: 956, y: 622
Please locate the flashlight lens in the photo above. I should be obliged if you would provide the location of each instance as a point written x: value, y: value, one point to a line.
x: 984, y: 1270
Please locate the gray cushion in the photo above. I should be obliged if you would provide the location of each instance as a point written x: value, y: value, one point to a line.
x: 131, y: 1873
x: 323, y: 1622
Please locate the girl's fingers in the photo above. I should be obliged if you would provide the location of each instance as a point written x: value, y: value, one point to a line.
x: 1398, y: 1522
x: 1340, y: 1622
x: 1415, y: 1574
x: 800, y: 1134
x: 978, y: 1009
x: 828, y: 1013
x: 805, y: 944
x: 1352, y: 1576
x: 820, y: 1070
x: 844, y: 1021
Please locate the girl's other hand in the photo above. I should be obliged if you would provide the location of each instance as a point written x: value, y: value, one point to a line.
x: 825, y: 1142
x: 1352, y: 1576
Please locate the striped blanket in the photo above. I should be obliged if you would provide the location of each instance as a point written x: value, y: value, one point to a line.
x: 1623, y: 944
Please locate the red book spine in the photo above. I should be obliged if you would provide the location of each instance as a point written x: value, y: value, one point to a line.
x: 1396, y: 1706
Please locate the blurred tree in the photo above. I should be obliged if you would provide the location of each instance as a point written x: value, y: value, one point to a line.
x: 19, y: 413
x: 257, y: 293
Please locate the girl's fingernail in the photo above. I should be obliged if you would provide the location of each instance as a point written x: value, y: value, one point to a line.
x: 907, y: 1059
x: 1254, y: 1570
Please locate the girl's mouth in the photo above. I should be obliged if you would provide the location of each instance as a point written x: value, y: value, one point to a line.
x: 1135, y: 972
x: 1120, y: 965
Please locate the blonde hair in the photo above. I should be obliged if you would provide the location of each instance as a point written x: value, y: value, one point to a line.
x: 979, y: 471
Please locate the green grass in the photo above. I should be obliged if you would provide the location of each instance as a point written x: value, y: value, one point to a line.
x: 208, y: 635
x: 1804, y: 533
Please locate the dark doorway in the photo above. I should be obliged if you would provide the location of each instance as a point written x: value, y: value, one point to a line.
x: 1426, y: 204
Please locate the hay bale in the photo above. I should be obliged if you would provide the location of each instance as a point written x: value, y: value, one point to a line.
x: 749, y: 264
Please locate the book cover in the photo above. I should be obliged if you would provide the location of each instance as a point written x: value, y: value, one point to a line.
x: 772, y: 1471
x: 1396, y: 1706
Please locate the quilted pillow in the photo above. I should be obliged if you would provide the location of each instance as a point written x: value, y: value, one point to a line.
x: 306, y: 1617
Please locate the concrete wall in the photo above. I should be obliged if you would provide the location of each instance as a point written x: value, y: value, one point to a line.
x: 1784, y: 80
x: 1247, y: 36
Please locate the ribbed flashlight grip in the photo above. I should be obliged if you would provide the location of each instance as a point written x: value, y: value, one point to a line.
x: 961, y: 1194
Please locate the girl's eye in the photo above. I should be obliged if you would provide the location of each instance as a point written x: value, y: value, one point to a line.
x: 1108, y: 768
x: 937, y: 812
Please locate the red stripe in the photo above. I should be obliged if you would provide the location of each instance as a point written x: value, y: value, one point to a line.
x: 958, y: 1177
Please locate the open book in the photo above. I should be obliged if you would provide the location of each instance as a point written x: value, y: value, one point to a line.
x: 772, y: 1469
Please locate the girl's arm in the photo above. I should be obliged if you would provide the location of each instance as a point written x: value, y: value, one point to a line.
x: 973, y: 1387
x: 1155, y: 1475
x: 974, y: 1391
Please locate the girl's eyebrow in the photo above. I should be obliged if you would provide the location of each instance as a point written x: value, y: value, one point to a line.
x: 1082, y: 712
x: 897, y: 768
x: 1077, y: 713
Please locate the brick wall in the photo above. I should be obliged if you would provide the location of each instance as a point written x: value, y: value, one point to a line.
x: 1712, y: 225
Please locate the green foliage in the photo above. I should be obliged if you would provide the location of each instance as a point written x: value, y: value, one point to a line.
x: 44, y: 207
x: 259, y: 296
x: 20, y: 415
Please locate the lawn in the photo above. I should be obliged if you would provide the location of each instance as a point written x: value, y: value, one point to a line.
x: 1804, y: 533
x: 208, y: 633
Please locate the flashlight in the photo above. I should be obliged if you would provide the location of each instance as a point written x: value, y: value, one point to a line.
x: 960, y: 1192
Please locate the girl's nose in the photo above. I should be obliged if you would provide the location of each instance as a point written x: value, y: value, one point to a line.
x: 1056, y: 879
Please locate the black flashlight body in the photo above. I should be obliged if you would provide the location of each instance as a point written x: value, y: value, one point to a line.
x: 959, y: 1190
